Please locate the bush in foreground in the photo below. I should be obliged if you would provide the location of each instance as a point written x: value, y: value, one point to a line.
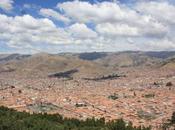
x: 14, y: 120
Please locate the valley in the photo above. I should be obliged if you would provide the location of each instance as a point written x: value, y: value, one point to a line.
x: 130, y: 85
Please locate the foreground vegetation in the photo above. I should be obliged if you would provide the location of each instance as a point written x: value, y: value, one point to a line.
x: 170, y: 124
x: 13, y: 120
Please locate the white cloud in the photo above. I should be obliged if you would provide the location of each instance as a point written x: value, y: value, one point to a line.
x: 6, y: 5
x: 114, y: 18
x: 100, y: 12
x: 117, y: 30
x: 27, y: 6
x: 27, y: 31
x: 81, y: 31
x: 27, y: 34
x: 162, y: 11
x: 50, y: 13
x: 105, y: 26
x: 158, y: 45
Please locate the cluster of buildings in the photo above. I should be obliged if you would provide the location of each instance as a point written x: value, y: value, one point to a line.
x: 142, y: 96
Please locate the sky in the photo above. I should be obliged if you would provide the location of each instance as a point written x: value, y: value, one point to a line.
x: 56, y: 26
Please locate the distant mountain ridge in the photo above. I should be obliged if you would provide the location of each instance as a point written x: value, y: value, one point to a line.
x: 155, y: 54
x: 87, y: 64
x: 161, y: 54
x: 9, y: 57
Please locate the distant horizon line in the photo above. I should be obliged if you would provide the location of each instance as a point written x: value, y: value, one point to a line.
x: 69, y: 52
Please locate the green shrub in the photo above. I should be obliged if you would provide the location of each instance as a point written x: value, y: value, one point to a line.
x: 113, y: 97
x: 13, y: 120
x: 151, y: 95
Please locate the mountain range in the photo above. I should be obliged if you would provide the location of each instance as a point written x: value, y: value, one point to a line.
x: 87, y: 64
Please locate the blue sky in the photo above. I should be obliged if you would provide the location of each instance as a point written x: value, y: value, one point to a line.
x: 53, y: 26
